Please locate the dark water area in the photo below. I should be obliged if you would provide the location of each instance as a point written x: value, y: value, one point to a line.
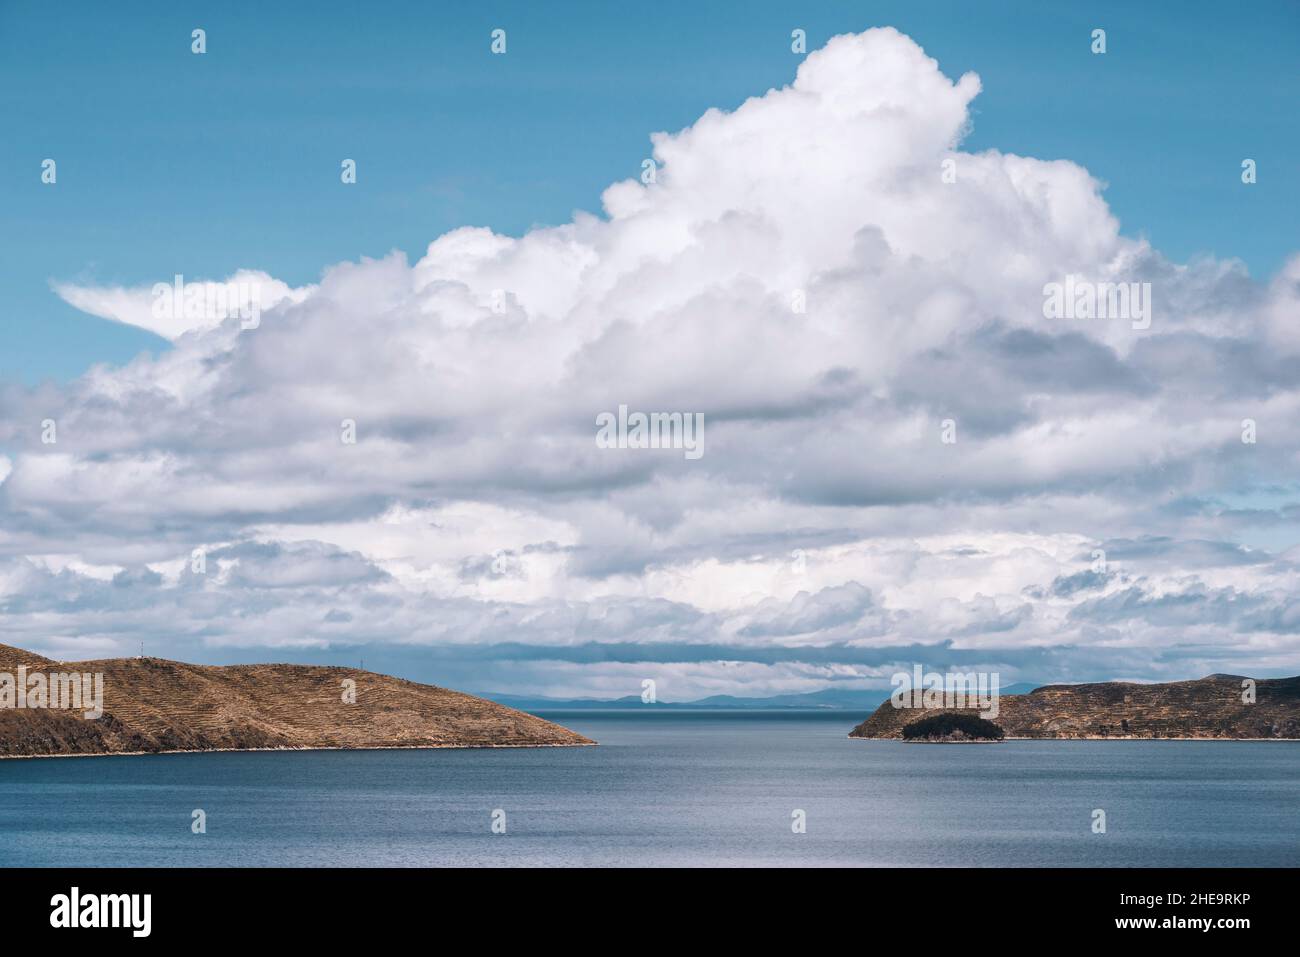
x: 670, y: 788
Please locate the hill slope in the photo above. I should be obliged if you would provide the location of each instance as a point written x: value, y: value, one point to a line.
x: 1206, y: 708
x: 151, y: 704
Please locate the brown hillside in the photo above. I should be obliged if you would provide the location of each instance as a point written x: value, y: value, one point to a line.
x: 1206, y: 708
x: 151, y: 704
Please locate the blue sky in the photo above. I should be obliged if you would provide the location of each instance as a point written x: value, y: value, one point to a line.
x: 478, y: 532
x: 171, y: 162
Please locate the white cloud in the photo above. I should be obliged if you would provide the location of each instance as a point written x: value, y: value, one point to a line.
x: 476, y: 509
x: 157, y: 310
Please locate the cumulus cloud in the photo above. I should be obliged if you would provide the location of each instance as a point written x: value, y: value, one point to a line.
x: 171, y: 309
x: 837, y: 287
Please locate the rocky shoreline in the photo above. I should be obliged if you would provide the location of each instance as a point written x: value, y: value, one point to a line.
x: 1216, y: 708
x: 156, y: 706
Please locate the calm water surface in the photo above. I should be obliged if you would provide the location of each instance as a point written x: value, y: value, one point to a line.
x: 670, y: 788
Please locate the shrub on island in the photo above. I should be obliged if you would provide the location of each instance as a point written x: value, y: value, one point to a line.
x: 952, y: 726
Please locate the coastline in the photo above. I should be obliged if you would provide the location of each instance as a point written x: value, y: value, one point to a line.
x: 1073, y: 737
x: 378, y: 747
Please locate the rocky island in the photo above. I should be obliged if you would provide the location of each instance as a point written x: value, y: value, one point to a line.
x: 1220, y: 707
x: 150, y: 705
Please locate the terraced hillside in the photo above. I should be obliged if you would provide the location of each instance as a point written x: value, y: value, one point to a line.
x: 1206, y: 708
x: 151, y: 704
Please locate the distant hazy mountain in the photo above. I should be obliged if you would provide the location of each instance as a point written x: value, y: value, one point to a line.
x: 832, y: 699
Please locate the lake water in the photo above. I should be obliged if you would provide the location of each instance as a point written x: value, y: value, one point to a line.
x: 670, y: 788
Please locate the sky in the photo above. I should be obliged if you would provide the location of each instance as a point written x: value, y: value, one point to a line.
x: 499, y: 275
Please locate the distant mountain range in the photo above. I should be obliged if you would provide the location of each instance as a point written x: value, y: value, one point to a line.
x: 832, y: 699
